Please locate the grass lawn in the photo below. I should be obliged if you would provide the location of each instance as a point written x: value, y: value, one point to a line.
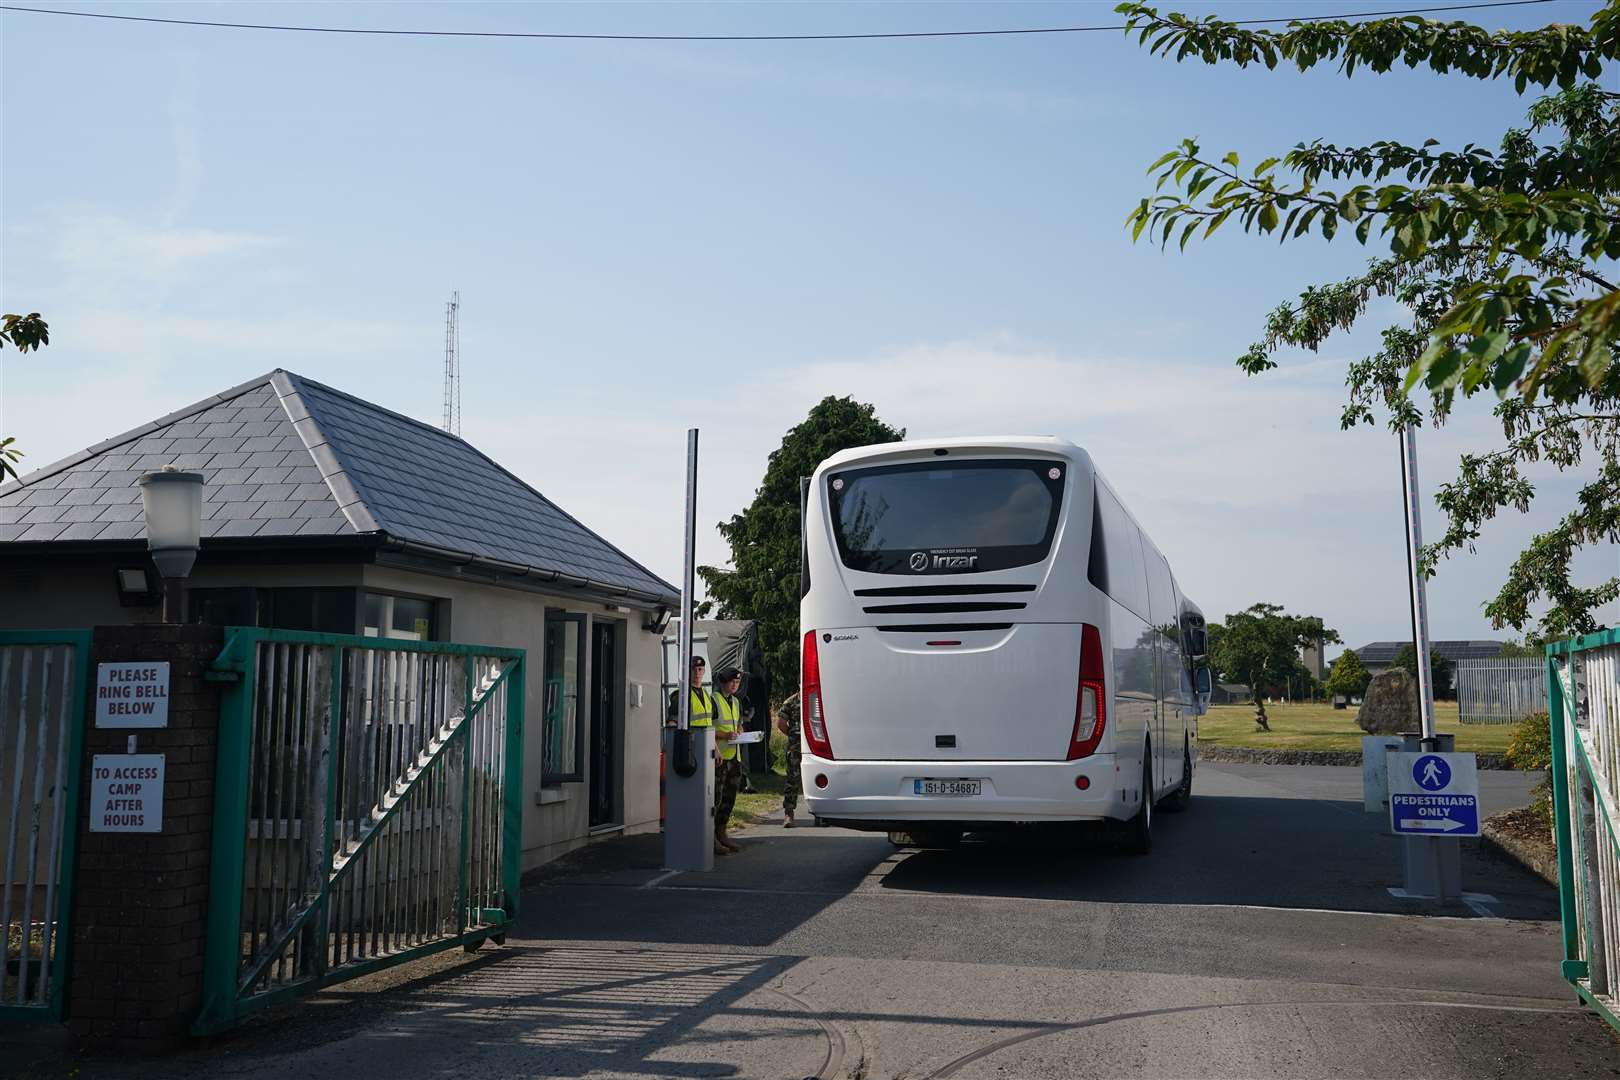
x: 1322, y: 727
x: 767, y: 798
x: 751, y: 809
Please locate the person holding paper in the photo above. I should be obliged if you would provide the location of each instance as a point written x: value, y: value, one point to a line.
x: 727, y: 769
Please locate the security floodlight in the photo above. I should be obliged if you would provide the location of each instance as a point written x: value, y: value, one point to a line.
x: 172, y: 502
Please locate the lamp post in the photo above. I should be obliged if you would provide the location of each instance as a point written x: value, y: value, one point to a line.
x: 172, y: 502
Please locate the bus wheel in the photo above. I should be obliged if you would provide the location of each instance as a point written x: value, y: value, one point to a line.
x: 1139, y: 830
x: 1177, y: 800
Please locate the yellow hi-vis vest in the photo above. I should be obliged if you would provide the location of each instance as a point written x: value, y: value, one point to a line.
x: 701, y: 713
x: 728, y: 725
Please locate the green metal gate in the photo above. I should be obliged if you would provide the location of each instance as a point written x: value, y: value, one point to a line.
x: 367, y: 810
x: 1583, y: 693
x: 42, y: 685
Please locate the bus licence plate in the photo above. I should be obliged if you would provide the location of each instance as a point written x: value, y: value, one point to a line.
x: 947, y: 787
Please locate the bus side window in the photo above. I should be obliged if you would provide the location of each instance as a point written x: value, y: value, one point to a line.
x: 1127, y: 576
x: 1097, y: 560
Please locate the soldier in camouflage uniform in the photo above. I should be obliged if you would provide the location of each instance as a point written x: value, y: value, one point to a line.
x: 727, y: 763
x: 787, y: 722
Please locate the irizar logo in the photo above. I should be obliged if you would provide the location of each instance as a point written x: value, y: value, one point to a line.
x: 922, y: 560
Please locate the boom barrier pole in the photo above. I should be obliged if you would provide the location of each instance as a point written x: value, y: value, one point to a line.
x: 1433, y: 864
x: 689, y: 755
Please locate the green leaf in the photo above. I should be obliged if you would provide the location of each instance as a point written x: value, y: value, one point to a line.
x: 1509, y: 368
x: 1268, y: 217
x: 1171, y: 156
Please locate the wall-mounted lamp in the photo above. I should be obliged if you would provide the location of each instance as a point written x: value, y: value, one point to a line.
x: 135, y: 587
x: 657, y: 621
x: 172, y: 501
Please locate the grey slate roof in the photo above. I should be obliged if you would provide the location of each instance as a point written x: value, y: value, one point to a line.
x: 1382, y: 653
x: 287, y: 456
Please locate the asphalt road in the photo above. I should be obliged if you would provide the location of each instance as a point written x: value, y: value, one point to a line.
x: 1260, y: 939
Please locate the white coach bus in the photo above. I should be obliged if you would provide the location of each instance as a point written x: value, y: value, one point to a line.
x: 989, y: 640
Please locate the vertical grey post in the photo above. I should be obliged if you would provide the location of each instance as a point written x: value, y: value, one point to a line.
x: 1418, y: 587
x: 688, y: 580
x: 688, y: 792
x: 1433, y: 863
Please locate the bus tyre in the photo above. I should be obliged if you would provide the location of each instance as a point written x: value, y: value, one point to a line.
x: 1177, y: 800
x: 1139, y: 830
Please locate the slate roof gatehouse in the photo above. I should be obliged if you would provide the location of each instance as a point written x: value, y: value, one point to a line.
x: 323, y: 511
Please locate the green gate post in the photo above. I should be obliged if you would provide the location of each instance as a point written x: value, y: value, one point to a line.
x: 1560, y: 789
x: 466, y: 792
x: 512, y: 816
x: 237, y: 664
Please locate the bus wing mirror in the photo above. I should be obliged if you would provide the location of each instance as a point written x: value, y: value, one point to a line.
x: 1200, y: 642
x: 1205, y: 682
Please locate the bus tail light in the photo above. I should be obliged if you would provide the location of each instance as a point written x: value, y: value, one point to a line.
x: 815, y: 722
x: 1090, y: 706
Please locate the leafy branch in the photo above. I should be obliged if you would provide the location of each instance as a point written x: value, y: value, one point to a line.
x: 23, y: 333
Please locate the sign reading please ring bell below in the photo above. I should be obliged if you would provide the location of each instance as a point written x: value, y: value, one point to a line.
x: 133, y: 695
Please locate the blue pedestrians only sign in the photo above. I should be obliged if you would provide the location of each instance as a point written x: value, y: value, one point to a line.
x: 1433, y: 794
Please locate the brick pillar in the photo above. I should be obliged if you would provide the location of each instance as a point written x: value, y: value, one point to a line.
x: 140, y: 905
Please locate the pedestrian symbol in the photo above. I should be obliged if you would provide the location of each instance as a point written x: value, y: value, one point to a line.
x: 1431, y: 772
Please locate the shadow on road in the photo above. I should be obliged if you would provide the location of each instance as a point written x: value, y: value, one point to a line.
x: 1234, y: 850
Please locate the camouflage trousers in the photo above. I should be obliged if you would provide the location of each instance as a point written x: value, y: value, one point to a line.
x: 727, y: 779
x: 793, y: 783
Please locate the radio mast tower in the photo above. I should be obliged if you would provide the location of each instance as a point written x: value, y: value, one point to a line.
x: 452, y: 364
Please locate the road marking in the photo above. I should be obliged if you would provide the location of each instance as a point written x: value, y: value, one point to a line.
x: 653, y: 882
x: 1478, y: 903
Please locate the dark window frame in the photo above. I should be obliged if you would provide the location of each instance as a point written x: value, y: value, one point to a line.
x: 437, y: 605
x: 271, y: 605
x: 575, y: 774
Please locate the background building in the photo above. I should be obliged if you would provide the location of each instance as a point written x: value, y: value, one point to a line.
x: 1380, y: 654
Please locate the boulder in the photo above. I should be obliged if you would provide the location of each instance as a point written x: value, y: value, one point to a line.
x: 1390, y: 705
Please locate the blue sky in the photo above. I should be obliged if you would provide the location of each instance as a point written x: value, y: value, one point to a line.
x: 651, y: 236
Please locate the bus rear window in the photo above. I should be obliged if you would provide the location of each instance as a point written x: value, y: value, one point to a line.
x: 946, y: 518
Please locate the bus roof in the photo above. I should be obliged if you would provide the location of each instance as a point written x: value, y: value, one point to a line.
x: 977, y: 444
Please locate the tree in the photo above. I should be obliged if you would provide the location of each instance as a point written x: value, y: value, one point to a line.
x: 763, y: 583
x: 1495, y: 254
x: 21, y: 332
x: 1439, y: 667
x: 1260, y: 648
x: 1349, y: 676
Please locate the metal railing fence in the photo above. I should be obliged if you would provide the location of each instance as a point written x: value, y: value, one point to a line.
x: 367, y: 810
x: 42, y: 685
x: 1583, y: 683
x: 1500, y: 690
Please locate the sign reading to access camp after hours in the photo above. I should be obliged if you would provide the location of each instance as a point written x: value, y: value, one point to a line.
x: 1433, y: 794
x: 126, y: 793
x: 132, y: 695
